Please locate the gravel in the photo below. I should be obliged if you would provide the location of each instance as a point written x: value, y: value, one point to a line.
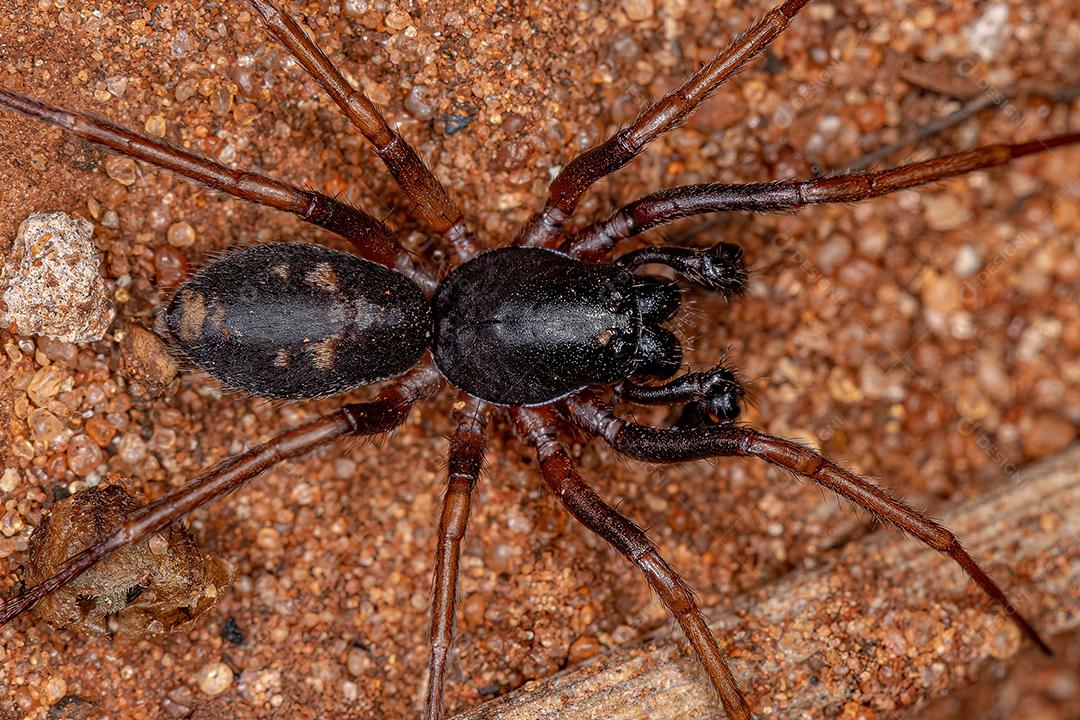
x: 875, y: 358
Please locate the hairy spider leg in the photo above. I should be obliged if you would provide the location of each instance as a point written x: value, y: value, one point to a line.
x: 380, y: 416
x: 466, y: 459
x: 664, y: 445
x: 538, y: 429
x: 433, y: 205
x: 565, y: 191
x: 714, y: 395
x: 370, y: 237
x: 719, y: 268
x: 595, y: 242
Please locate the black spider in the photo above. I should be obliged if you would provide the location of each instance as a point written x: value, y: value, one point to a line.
x: 533, y: 330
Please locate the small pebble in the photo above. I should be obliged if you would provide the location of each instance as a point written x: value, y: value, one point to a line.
x: 268, y: 539
x: 842, y: 387
x: 11, y: 524
x: 967, y: 261
x: 344, y: 468
x: 9, y: 480
x: 245, y: 113
x: 833, y: 253
x: 357, y: 662
x: 55, y: 689
x: 117, y: 85
x: 145, y: 360
x: 870, y: 115
x: 1048, y: 434
x: 214, y: 678
x: 397, y: 20
x: 356, y: 8
x: 181, y: 234
x: 944, y: 212
x: 121, y: 169
x: 157, y: 544
x: 1006, y: 641
x: 50, y: 281
x: 418, y: 104
x: 638, y: 10
x: 131, y: 448
x: 83, y: 455
x: 169, y: 265
x: 156, y: 126
x: 499, y: 558
x: 942, y: 292
x: 100, y: 430
x: 44, y: 385
x: 221, y: 101
x: 44, y: 426
x: 186, y: 90
x: 583, y: 648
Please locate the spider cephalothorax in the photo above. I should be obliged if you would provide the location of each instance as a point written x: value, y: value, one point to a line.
x: 538, y: 331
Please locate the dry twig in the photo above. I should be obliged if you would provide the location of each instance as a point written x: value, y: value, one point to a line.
x: 887, y: 626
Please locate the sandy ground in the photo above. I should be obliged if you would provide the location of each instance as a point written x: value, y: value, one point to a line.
x: 928, y: 339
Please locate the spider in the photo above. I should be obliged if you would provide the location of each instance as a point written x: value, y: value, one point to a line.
x: 535, y: 331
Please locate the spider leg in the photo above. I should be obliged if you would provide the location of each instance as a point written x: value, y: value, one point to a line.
x: 713, y: 395
x: 466, y: 459
x: 433, y: 205
x: 538, y: 428
x: 719, y: 268
x: 358, y: 419
x: 595, y: 241
x: 694, y: 443
x: 370, y: 237
x: 564, y: 193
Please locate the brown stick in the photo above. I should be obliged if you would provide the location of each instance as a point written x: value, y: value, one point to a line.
x: 859, y: 633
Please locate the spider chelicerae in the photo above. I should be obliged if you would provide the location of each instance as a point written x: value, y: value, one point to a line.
x: 536, y: 330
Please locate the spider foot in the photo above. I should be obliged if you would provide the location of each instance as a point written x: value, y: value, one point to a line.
x: 712, y: 397
x: 719, y: 268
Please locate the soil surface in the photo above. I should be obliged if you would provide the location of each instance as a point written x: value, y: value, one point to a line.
x: 929, y: 338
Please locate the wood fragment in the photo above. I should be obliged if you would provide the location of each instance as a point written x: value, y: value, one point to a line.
x: 887, y: 626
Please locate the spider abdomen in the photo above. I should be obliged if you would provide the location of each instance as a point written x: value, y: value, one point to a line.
x: 291, y: 320
x: 524, y: 326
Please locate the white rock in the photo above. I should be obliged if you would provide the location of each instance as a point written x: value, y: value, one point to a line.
x: 50, y: 284
x: 989, y: 32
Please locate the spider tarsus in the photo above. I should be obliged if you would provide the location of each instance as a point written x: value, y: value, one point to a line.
x: 1037, y: 146
x: 957, y: 552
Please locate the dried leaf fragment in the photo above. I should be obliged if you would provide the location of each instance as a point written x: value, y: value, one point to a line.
x: 160, y: 585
